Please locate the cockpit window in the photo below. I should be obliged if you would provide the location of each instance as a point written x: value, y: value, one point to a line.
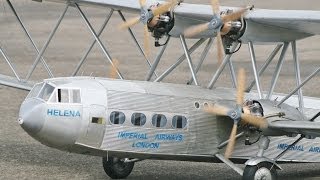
x: 35, y: 90
x: 42, y: 91
x: 62, y: 95
x: 46, y: 91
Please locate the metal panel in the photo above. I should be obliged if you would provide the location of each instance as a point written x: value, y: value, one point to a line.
x: 199, y: 137
x: 95, y: 131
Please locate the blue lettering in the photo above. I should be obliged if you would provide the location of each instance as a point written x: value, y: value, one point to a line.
x: 121, y: 135
x: 50, y: 112
x: 291, y: 148
x: 56, y: 112
x: 146, y: 145
x: 311, y: 149
x: 64, y: 113
x: 169, y: 137
x: 77, y: 114
x: 132, y: 135
x: 314, y: 149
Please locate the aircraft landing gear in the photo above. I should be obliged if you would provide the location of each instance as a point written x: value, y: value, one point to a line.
x: 261, y: 171
x: 261, y: 168
x: 117, y: 168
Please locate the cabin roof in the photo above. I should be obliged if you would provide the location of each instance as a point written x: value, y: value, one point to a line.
x: 157, y: 88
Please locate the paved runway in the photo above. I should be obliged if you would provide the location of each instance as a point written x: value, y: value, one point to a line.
x: 22, y: 157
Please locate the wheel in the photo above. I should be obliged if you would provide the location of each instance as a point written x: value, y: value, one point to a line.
x: 116, y: 168
x: 262, y: 171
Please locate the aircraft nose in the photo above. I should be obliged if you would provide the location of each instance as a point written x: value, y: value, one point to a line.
x: 31, y: 116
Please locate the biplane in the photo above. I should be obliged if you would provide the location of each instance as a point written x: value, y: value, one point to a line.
x: 126, y: 121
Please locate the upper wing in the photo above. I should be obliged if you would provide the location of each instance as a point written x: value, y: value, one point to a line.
x: 124, y: 5
x: 262, y: 25
x: 281, y: 25
x: 294, y: 20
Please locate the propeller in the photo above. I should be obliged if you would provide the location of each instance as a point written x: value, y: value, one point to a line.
x: 145, y: 17
x: 216, y: 23
x: 236, y: 114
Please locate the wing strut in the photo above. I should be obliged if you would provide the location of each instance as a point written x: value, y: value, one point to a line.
x: 221, y: 67
x: 185, y: 49
x: 254, y: 67
x: 278, y: 69
x: 84, y: 57
x: 9, y: 63
x: 138, y: 45
x: 298, y: 74
x: 265, y: 65
x: 298, y: 87
x: 202, y: 58
x: 29, y: 37
x: 97, y: 39
x: 315, y: 117
x: 180, y: 60
x: 284, y: 151
x: 36, y: 62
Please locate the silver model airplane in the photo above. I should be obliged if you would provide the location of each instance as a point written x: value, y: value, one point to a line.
x: 128, y: 121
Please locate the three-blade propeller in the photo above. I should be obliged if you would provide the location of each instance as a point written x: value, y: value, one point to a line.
x: 215, y: 25
x: 236, y: 114
x: 145, y: 17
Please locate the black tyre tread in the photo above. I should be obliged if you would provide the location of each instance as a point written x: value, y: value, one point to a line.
x: 113, y: 172
x: 249, y: 171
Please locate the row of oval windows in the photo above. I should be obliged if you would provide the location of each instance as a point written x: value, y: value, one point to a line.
x: 139, y: 119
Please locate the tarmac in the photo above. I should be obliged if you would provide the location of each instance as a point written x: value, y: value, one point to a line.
x: 22, y: 157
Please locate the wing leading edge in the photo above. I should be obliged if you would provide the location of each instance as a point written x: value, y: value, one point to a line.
x: 297, y: 127
x: 296, y: 20
x: 303, y: 21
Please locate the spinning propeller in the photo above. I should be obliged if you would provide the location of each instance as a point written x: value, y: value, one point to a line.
x: 236, y: 114
x: 145, y: 17
x: 217, y: 24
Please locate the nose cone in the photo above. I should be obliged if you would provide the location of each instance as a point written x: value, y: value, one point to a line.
x: 31, y: 116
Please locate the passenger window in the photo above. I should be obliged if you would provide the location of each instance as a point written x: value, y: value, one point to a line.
x: 159, y: 120
x: 138, y: 119
x: 117, y: 117
x: 179, y: 122
x: 63, y: 95
x: 75, y: 96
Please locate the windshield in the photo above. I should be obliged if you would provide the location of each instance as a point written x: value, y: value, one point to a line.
x: 46, y: 91
x: 42, y: 91
x: 35, y: 90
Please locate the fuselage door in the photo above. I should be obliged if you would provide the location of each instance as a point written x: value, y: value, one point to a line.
x: 96, y: 127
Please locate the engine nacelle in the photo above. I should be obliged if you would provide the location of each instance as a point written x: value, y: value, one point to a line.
x: 272, y: 113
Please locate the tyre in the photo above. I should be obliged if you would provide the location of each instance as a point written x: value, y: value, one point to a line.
x: 262, y: 171
x: 116, y: 168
